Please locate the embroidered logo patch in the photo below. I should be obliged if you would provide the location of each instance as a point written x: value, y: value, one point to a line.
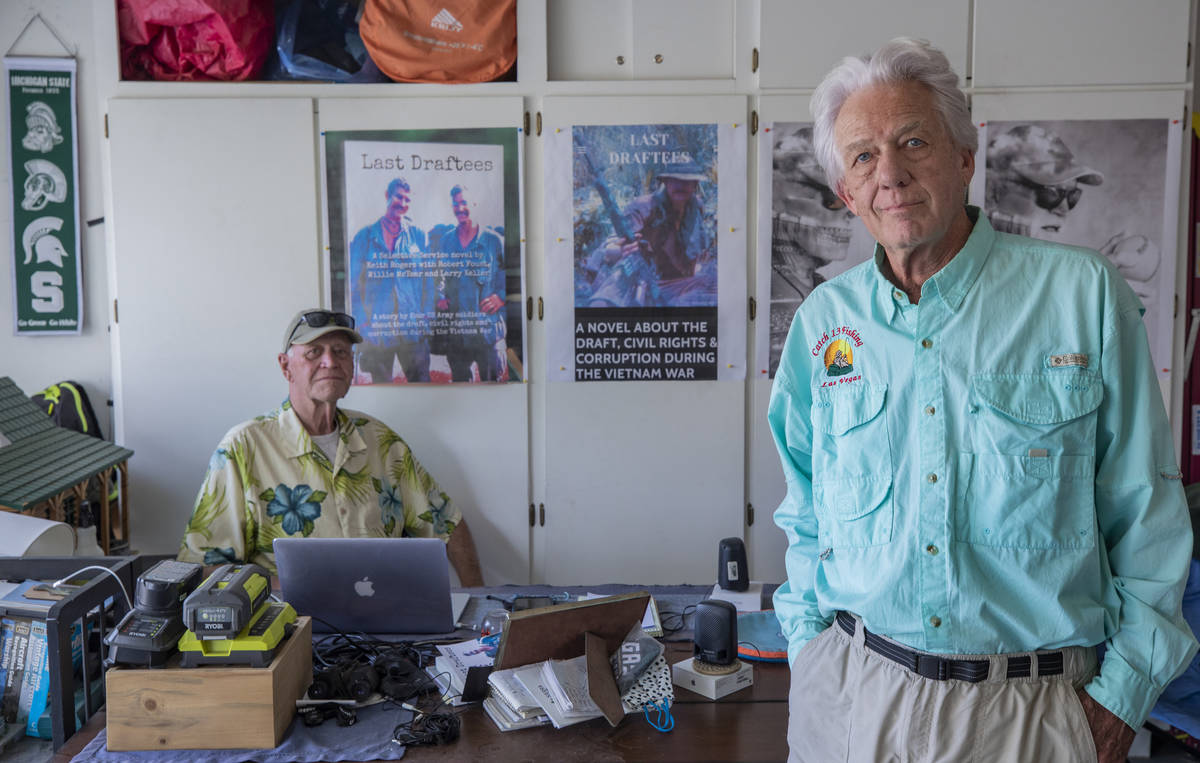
x: 1069, y: 359
x: 836, y: 349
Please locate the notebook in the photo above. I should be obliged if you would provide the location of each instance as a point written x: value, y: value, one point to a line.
x: 372, y: 585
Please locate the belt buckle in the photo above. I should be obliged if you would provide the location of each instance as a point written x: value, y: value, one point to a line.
x: 929, y: 666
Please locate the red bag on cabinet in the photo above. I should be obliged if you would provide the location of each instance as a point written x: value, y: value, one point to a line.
x: 442, y: 41
x: 194, y: 39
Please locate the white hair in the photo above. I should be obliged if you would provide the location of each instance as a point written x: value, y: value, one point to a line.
x: 900, y: 60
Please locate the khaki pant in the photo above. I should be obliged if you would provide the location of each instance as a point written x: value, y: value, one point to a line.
x: 850, y: 704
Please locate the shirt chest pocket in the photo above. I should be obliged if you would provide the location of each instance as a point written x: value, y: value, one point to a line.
x: 1027, y: 481
x: 852, y: 466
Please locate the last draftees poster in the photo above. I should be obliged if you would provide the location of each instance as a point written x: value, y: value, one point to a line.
x: 425, y: 252
x: 645, y: 251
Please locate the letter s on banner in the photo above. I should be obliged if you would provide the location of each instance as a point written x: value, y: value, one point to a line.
x: 47, y: 291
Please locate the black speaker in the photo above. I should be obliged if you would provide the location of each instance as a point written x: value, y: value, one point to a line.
x: 732, y: 574
x: 716, y: 632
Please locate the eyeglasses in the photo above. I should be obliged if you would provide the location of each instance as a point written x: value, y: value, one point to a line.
x: 1050, y: 196
x: 829, y: 199
x: 318, y: 318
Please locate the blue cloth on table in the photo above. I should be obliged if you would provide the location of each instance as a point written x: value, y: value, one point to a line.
x: 1179, y: 704
x: 368, y: 739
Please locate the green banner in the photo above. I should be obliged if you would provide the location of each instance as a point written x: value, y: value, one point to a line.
x: 43, y: 161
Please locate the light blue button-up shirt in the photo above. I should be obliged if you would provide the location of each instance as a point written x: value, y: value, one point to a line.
x: 988, y: 471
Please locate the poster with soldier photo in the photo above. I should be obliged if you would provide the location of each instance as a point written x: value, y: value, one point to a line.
x: 425, y: 252
x: 47, y: 281
x: 645, y: 251
x: 1109, y: 185
x: 807, y: 235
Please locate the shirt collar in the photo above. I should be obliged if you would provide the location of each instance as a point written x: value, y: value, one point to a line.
x: 297, y: 436
x: 956, y: 277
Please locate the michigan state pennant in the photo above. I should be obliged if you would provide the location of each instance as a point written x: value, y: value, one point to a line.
x: 43, y: 161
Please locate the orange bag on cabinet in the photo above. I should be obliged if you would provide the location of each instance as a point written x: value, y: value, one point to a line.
x: 444, y: 41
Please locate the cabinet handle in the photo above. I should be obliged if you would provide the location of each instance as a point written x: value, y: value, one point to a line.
x: 542, y: 514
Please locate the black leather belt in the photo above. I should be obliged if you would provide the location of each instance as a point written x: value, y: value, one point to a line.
x: 941, y: 669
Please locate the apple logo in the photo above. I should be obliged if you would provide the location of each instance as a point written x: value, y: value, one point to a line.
x: 364, y: 587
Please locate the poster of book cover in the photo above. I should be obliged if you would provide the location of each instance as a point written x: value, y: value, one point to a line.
x: 1110, y: 185
x: 645, y: 251
x: 807, y: 235
x: 425, y: 252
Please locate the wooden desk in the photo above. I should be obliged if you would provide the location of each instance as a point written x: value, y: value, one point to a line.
x: 747, y: 725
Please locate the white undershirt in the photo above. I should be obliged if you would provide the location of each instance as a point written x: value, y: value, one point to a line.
x: 327, y: 443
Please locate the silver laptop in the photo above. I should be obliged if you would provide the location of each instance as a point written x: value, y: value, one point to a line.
x: 372, y: 585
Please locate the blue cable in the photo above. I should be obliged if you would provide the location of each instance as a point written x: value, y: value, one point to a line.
x: 665, y: 721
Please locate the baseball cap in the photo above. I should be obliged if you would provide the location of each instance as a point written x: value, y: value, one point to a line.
x: 689, y: 170
x: 308, y: 325
x: 1039, y: 156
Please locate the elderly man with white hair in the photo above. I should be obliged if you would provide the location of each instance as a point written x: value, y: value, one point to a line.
x: 982, y: 486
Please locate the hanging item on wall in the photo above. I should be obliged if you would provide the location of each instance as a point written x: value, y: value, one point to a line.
x: 43, y: 161
x: 806, y: 234
x: 645, y: 262
x: 1110, y: 185
x: 425, y: 252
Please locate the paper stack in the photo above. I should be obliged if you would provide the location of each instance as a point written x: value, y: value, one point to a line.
x: 449, y: 668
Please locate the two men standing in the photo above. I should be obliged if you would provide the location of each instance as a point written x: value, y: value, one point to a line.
x: 413, y: 294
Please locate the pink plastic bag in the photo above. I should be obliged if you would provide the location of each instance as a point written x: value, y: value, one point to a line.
x: 194, y: 39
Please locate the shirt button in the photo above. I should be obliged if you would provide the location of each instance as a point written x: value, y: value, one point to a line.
x: 899, y: 294
x: 932, y: 478
x: 935, y: 621
x: 927, y: 343
x: 932, y: 549
x: 930, y: 410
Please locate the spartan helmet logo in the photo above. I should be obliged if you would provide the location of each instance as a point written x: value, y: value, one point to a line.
x: 43, y: 131
x: 37, y: 240
x: 45, y: 183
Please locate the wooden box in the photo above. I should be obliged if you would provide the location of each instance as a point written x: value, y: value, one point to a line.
x: 176, y: 708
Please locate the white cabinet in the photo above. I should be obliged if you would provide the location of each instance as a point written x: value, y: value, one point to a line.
x: 1019, y: 43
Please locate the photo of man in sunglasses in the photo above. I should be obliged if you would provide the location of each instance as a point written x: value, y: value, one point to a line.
x: 1033, y: 182
x: 1105, y: 194
x: 810, y: 228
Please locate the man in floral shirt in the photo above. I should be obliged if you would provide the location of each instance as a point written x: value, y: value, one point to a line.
x: 309, y: 468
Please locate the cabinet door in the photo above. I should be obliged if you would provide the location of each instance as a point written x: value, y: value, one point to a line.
x: 642, y: 478
x: 215, y: 230
x: 1080, y: 42
x: 801, y: 41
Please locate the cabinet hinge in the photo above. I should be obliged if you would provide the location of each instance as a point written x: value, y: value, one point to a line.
x: 541, y: 514
x: 749, y: 514
x: 106, y: 125
x: 526, y: 124
x: 541, y: 309
x: 754, y: 122
x: 532, y: 517
x: 529, y: 313
x: 753, y: 308
x: 115, y: 318
x: 754, y: 60
x: 539, y: 123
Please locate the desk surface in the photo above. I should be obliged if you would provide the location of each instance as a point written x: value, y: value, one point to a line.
x: 747, y: 725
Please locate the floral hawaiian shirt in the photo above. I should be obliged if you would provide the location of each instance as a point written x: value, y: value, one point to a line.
x: 268, y: 480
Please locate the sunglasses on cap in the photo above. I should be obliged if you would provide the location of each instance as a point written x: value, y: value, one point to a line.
x: 829, y: 199
x: 319, y: 318
x: 1049, y: 197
